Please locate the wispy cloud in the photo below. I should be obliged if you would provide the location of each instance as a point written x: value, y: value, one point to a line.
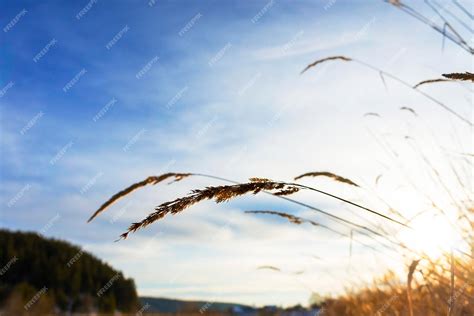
x: 152, y: 104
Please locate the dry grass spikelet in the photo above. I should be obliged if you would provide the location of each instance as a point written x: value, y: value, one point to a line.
x: 291, y: 218
x: 406, y: 108
x: 269, y: 268
x: 255, y: 179
x: 430, y: 81
x: 396, y: 3
x: 319, y: 61
x: 372, y: 114
x: 297, y: 220
x: 467, y: 76
x: 411, y: 270
x: 329, y: 175
x: 288, y: 191
x: 152, y: 180
x: 217, y: 193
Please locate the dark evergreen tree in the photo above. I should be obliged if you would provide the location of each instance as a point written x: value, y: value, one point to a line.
x: 73, y: 277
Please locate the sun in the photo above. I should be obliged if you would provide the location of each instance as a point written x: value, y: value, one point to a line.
x: 431, y: 235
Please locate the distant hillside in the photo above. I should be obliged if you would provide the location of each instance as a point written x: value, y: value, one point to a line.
x: 165, y: 305
x: 40, y: 275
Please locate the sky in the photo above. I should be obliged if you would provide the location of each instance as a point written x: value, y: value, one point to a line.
x: 97, y: 95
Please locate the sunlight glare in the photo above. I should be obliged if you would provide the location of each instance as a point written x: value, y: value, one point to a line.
x: 431, y: 235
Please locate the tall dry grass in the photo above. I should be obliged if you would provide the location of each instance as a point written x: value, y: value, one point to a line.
x: 447, y: 29
x: 433, y: 286
x: 441, y: 286
x: 430, y: 290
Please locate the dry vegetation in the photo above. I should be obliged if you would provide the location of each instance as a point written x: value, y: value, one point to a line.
x: 442, y: 286
x: 430, y: 293
x: 432, y: 286
x: 467, y: 76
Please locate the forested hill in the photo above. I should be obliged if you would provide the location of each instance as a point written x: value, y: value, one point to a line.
x: 41, y: 275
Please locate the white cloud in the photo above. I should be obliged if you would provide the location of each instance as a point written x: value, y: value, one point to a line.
x: 283, y: 125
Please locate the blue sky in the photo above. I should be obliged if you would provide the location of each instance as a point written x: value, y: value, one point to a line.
x: 209, y: 87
